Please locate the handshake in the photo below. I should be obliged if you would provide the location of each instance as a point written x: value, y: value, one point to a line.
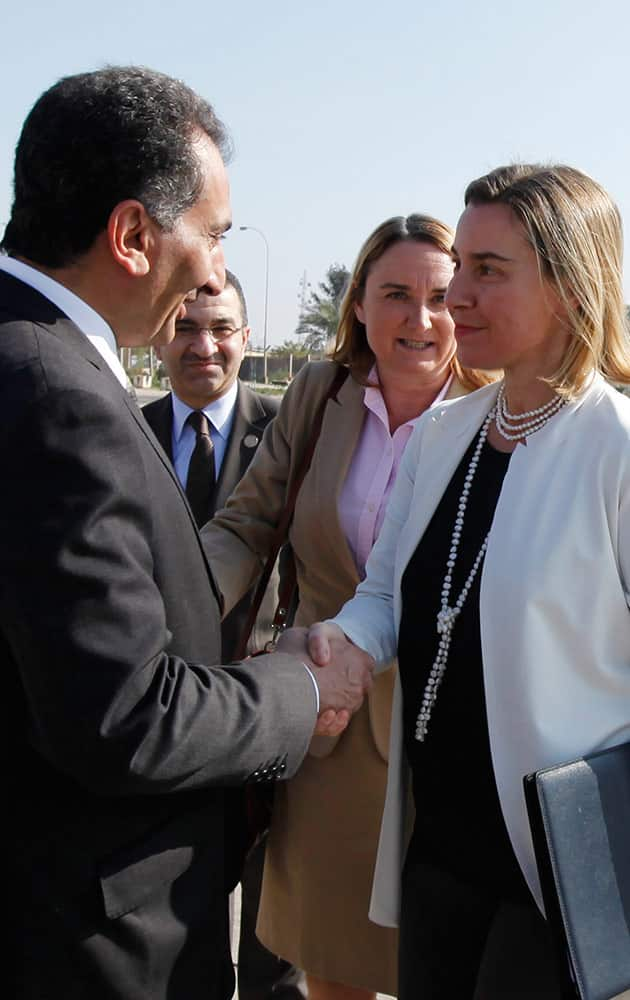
x: 342, y: 672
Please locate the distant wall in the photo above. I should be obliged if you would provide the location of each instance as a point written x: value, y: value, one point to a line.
x: 280, y: 367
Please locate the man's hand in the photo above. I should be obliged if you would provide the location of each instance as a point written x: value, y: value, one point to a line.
x: 345, y: 680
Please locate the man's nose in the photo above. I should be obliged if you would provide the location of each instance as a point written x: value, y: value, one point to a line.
x: 216, y: 278
x: 204, y: 343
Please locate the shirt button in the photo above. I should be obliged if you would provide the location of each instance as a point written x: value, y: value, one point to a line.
x: 371, y: 508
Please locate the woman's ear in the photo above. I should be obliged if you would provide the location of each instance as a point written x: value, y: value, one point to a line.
x: 130, y: 234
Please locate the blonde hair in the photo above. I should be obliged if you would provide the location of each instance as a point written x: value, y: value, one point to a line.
x: 351, y: 347
x: 574, y: 228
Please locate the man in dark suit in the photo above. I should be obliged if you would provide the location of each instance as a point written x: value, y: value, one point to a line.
x: 202, y: 363
x: 122, y: 733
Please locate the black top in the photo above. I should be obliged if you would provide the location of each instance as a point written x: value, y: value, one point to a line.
x: 459, y: 825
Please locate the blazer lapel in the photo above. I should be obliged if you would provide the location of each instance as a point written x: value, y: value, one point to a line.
x: 250, y: 420
x: 341, y: 427
x: 446, y: 432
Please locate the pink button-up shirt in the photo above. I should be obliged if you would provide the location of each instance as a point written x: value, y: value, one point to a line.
x: 372, y: 473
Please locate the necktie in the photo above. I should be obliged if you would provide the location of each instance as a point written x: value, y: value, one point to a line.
x: 201, y: 477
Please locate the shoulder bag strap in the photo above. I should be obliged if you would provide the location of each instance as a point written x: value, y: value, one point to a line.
x: 280, y: 535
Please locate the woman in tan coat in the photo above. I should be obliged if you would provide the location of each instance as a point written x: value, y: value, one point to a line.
x: 396, y: 338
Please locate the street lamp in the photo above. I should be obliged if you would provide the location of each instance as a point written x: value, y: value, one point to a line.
x: 264, y: 238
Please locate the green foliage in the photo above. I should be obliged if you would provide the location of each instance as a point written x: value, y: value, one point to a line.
x: 318, y: 321
x: 295, y: 347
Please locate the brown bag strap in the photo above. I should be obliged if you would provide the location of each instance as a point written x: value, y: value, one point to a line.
x: 287, y: 589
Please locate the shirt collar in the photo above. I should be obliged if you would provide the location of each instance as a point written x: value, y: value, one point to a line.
x: 374, y: 401
x: 219, y: 412
x: 93, y: 326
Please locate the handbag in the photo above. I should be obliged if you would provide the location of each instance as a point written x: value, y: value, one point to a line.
x: 579, y: 815
x: 259, y: 797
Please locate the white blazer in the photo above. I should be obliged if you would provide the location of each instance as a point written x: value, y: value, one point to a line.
x: 555, y: 627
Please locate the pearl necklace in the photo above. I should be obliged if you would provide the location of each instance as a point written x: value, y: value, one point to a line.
x: 447, y: 616
x: 514, y: 427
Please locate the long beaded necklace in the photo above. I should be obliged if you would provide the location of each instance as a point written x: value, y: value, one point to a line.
x: 447, y: 615
x: 516, y: 426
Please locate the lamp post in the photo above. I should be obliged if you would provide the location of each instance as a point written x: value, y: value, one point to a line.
x: 264, y: 238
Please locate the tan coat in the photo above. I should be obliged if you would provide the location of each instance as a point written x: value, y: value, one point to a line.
x: 324, y: 835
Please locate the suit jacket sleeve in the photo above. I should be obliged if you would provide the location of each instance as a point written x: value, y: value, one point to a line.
x: 108, y: 699
x: 238, y: 538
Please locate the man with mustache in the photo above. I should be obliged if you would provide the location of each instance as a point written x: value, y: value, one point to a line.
x: 202, y: 363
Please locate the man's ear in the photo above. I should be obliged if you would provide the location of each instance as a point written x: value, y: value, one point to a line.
x: 130, y: 234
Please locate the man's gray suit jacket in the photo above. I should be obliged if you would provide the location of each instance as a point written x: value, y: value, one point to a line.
x: 122, y: 736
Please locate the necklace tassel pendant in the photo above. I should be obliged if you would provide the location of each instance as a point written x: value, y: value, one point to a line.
x: 446, y: 619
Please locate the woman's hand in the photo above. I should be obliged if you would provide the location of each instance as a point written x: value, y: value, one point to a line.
x: 320, y: 638
x: 344, y: 682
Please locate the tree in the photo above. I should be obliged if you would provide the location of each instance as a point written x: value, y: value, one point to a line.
x: 290, y: 347
x: 320, y: 313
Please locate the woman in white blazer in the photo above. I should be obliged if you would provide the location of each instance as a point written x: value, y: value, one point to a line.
x: 396, y: 338
x: 510, y: 615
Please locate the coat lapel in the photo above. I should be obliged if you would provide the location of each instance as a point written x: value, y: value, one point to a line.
x: 445, y: 433
x: 341, y: 427
x: 250, y: 420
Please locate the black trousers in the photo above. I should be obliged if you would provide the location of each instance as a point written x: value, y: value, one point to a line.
x: 458, y: 940
x: 261, y: 975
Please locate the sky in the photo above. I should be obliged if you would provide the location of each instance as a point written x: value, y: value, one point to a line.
x: 344, y: 114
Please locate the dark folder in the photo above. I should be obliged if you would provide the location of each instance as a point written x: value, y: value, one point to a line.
x: 580, y: 820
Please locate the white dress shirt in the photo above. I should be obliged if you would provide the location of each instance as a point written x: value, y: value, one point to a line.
x: 93, y: 326
x: 220, y: 414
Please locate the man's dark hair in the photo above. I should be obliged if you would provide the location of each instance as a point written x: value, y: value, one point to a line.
x: 232, y: 281
x: 95, y: 139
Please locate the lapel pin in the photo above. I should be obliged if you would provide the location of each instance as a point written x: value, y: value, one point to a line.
x: 250, y: 440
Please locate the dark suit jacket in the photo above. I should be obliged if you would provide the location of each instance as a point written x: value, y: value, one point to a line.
x: 120, y: 737
x: 253, y: 411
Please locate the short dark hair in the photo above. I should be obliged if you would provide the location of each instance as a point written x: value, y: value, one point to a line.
x: 95, y: 139
x: 232, y: 281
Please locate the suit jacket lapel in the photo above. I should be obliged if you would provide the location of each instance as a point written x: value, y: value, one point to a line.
x: 25, y: 302
x: 161, y: 421
x: 248, y: 426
